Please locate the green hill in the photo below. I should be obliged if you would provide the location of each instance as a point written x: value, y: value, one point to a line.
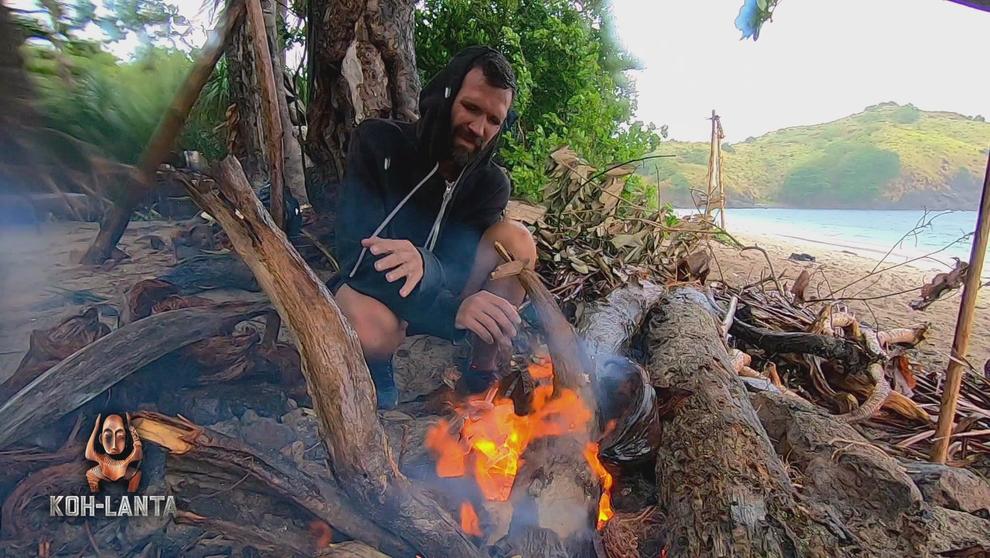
x: 888, y: 156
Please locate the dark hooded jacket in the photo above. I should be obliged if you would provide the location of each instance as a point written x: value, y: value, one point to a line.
x: 392, y: 184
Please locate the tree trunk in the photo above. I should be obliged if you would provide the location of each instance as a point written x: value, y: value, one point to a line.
x: 362, y: 64
x: 336, y: 374
x: 720, y: 485
x: 244, y: 139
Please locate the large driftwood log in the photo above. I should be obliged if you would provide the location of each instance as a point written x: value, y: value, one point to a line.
x: 336, y: 373
x: 720, y: 485
x: 868, y: 490
x: 606, y: 326
x: 198, y: 452
x: 108, y: 360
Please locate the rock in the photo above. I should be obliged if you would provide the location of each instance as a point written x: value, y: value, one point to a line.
x: 801, y: 257
x: 951, y: 487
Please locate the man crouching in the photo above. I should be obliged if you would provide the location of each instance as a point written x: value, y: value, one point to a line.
x: 418, y: 213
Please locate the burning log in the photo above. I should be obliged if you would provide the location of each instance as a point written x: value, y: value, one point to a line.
x: 559, y: 486
x: 91, y: 370
x: 335, y: 371
x: 719, y: 483
x: 200, y: 457
x: 607, y: 326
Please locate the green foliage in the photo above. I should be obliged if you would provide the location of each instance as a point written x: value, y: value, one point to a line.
x: 569, y: 65
x: 116, y: 106
x: 873, y: 158
x: 846, y: 174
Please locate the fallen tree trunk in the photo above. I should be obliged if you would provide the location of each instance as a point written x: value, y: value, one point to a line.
x: 870, y: 491
x: 606, y: 326
x: 336, y: 374
x: 90, y: 371
x: 49, y: 347
x: 198, y: 452
x: 720, y: 485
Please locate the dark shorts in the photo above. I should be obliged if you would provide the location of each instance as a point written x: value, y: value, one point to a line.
x: 418, y: 319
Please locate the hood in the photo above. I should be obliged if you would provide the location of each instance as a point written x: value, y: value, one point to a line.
x: 435, y: 101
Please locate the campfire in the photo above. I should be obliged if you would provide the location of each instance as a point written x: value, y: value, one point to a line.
x: 487, y: 439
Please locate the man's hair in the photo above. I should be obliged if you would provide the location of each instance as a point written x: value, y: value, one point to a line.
x: 498, y: 72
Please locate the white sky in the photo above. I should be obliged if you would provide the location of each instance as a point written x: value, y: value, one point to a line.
x: 818, y: 60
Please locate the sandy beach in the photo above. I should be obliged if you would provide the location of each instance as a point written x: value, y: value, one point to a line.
x: 837, y: 266
x: 41, y: 286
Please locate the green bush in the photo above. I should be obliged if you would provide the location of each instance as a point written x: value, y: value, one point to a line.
x: 570, y: 69
x: 115, y: 106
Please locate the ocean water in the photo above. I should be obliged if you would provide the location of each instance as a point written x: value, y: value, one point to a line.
x: 869, y: 233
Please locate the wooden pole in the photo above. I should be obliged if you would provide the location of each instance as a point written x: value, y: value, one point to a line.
x: 954, y: 372
x: 162, y: 140
x: 269, y: 105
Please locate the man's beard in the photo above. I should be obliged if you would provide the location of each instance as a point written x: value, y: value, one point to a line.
x: 462, y: 156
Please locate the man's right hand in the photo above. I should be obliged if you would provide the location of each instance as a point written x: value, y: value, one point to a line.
x: 489, y: 316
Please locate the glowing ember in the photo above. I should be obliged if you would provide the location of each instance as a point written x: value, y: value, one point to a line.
x: 469, y: 520
x: 605, y: 511
x: 321, y: 532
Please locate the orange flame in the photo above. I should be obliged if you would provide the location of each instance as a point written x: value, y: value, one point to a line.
x: 605, y: 511
x: 495, y: 437
x: 469, y: 520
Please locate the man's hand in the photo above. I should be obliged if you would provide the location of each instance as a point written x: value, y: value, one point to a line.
x: 402, y: 259
x: 489, y: 316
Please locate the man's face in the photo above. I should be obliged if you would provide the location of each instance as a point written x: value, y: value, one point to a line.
x: 478, y: 112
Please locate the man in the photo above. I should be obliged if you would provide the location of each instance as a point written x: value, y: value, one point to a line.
x: 418, y: 213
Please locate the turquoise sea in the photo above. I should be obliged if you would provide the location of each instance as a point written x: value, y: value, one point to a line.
x: 869, y: 233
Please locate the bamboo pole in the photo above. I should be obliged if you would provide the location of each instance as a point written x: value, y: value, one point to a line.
x: 162, y: 140
x: 954, y: 372
x: 269, y: 104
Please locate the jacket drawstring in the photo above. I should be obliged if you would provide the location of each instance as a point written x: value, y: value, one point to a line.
x: 396, y: 210
x: 434, y: 235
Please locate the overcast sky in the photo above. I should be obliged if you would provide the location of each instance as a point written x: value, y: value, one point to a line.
x: 818, y: 60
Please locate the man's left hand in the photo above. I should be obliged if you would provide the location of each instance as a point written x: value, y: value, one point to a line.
x: 401, y: 259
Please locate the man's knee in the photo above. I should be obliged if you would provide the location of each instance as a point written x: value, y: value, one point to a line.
x: 378, y: 328
x: 515, y: 237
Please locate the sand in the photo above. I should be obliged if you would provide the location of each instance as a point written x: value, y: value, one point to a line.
x: 40, y: 285
x: 837, y: 266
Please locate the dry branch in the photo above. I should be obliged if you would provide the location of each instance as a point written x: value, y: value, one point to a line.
x: 194, y: 450
x: 336, y: 373
x: 162, y: 140
x: 98, y: 366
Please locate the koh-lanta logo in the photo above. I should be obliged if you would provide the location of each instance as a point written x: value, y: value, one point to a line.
x: 116, y: 449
